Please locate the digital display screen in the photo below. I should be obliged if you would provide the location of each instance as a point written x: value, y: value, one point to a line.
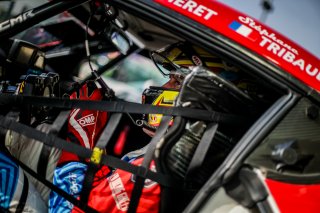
x: 39, y: 62
x: 25, y: 54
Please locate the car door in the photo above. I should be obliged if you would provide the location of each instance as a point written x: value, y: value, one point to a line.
x: 278, y: 174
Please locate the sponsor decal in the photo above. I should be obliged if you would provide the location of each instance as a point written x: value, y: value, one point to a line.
x: 266, y: 33
x: 290, y: 57
x: 244, y: 30
x: 274, y: 45
x: 154, y: 118
x: 196, y: 60
x: 166, y: 98
x: 74, y: 187
x: 164, y: 102
x: 119, y: 193
x: 192, y: 7
x: 86, y: 120
x: 76, y: 126
x: 16, y: 20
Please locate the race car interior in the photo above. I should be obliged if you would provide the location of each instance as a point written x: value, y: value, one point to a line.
x: 105, y: 47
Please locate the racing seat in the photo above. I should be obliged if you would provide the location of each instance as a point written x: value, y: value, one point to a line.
x: 192, y: 149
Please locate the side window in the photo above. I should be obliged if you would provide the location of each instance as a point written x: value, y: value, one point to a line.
x: 291, y: 151
x: 130, y: 77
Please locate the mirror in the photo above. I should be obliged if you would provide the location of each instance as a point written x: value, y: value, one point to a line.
x: 120, y: 41
x: 26, y: 55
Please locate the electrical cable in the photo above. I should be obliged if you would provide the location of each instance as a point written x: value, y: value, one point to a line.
x: 86, y: 43
x: 109, y: 93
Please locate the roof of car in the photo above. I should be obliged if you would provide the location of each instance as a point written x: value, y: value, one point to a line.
x: 251, y: 34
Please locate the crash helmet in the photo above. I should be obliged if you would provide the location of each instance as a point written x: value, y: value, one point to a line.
x: 176, y: 61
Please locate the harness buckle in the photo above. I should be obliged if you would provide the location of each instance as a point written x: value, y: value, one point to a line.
x: 96, y: 155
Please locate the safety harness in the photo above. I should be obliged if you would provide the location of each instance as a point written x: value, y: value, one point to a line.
x: 97, y: 156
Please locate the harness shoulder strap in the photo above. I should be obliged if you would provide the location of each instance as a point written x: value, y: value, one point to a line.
x: 108, y: 131
x: 54, y: 141
x: 102, y: 143
x: 128, y: 107
x: 202, y: 149
x: 45, y: 151
x: 138, y: 186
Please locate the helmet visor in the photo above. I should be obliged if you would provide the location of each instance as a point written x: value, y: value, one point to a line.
x: 172, y: 60
x: 165, y: 66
